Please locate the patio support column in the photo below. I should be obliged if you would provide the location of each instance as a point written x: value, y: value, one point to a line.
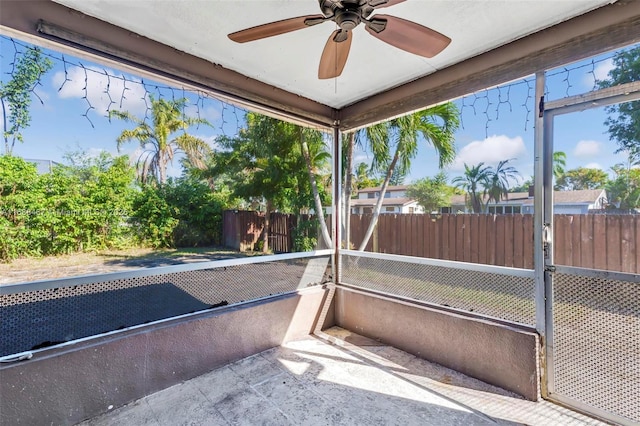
x: 538, y: 204
x: 538, y: 219
x: 337, y: 201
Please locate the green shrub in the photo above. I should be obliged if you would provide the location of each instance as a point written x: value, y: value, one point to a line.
x: 198, y: 210
x: 153, y: 218
x: 74, y: 208
x: 305, y: 235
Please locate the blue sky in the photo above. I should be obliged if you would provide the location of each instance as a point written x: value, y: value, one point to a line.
x: 497, y: 123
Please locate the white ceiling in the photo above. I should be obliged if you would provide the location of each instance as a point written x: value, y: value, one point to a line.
x: 290, y: 61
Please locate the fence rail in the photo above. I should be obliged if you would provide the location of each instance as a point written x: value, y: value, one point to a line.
x: 242, y: 230
x: 594, y: 241
x: 503, y: 240
x: 610, y: 242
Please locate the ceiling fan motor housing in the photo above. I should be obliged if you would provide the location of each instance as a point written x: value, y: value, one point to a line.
x: 347, y: 19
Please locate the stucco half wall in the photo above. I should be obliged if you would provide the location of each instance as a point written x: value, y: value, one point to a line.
x: 66, y: 385
x: 495, y: 353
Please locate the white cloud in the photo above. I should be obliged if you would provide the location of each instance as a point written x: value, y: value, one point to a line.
x: 125, y: 95
x: 360, y: 158
x: 593, y: 166
x: 601, y: 72
x: 209, y: 113
x: 212, y: 141
x: 490, y: 151
x: 587, y: 149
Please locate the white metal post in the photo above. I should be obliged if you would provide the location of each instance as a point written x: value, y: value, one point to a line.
x: 337, y: 202
x: 539, y: 226
x: 538, y: 205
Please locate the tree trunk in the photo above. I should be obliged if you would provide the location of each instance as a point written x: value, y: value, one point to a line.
x: 7, y: 151
x: 162, y: 166
x: 347, y: 190
x: 316, y: 195
x: 476, y: 206
x: 267, y: 227
x: 378, y: 208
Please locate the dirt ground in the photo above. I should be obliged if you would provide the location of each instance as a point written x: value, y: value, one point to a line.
x: 36, y: 269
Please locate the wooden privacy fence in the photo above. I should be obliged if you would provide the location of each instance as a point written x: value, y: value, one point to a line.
x: 610, y: 242
x: 242, y: 230
x: 597, y: 241
x: 504, y: 240
x: 602, y: 241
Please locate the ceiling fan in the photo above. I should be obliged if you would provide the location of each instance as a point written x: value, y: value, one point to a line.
x: 348, y: 14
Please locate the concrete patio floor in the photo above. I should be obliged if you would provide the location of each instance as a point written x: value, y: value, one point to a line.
x: 337, y: 378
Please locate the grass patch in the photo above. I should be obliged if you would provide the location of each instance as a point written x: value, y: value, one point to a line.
x: 50, y: 267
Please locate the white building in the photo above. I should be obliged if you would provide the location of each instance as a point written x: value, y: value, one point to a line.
x: 395, y: 201
x: 564, y: 202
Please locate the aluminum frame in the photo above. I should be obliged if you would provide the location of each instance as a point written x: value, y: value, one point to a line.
x: 599, y: 98
x: 434, y: 298
x: 538, y: 211
x: 146, y: 272
x: 337, y: 201
x: 27, y: 355
x: 598, y: 273
x: 429, y: 305
x: 478, y: 267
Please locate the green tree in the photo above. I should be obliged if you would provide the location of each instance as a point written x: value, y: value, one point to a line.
x: 158, y: 141
x: 277, y: 162
x: 314, y: 157
x: 623, y: 121
x: 559, y: 164
x: 21, y: 196
x: 523, y: 187
x: 86, y: 206
x: 398, y: 176
x: 73, y: 208
x: 623, y: 191
x: 472, y: 181
x: 436, y: 125
x: 15, y: 95
x: 364, y: 178
x: 499, y: 179
x: 197, y: 209
x: 360, y: 179
x: 432, y: 193
x: 582, y: 178
x: 153, y: 218
x: 348, y: 184
x: 107, y: 191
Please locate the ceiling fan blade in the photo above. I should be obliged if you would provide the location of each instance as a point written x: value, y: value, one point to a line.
x: 407, y: 35
x: 335, y: 54
x: 276, y: 28
x: 379, y: 4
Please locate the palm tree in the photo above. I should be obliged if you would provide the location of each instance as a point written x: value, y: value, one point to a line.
x: 498, y: 180
x: 347, y: 186
x: 559, y: 163
x: 314, y: 155
x: 158, y: 146
x: 474, y: 178
x: 436, y: 125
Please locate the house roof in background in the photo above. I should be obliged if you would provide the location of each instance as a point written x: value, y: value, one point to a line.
x: 389, y: 188
x: 584, y: 196
x: 370, y: 202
